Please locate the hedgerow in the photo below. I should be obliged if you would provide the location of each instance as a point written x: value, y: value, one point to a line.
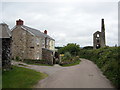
x: 107, y: 59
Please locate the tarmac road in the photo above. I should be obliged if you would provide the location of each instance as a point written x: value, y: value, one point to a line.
x: 84, y: 75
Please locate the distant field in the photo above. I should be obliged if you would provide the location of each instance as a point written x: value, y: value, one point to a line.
x: 20, y: 77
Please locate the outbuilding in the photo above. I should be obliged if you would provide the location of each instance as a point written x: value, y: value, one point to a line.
x: 5, y: 46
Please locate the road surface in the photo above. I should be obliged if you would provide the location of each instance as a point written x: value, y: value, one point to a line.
x: 84, y: 75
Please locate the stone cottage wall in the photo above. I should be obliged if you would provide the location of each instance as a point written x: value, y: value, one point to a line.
x: 19, y: 43
x: 26, y: 45
x: 47, y: 55
x: 30, y: 46
x: 34, y: 47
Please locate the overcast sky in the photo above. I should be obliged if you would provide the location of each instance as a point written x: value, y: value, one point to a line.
x: 66, y: 22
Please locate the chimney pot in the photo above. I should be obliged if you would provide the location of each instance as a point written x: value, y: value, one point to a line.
x: 45, y: 32
x: 19, y: 22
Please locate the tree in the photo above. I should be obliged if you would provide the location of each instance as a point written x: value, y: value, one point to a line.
x: 72, y: 48
x: 58, y: 47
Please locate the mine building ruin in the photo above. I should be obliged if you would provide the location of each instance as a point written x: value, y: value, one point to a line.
x: 99, y: 37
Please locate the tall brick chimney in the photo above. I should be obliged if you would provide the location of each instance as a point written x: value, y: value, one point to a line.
x: 45, y: 32
x: 19, y: 22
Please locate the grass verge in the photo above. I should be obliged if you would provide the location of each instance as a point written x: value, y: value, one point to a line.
x: 20, y: 77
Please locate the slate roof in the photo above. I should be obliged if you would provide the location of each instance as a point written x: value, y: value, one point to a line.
x: 36, y: 32
x: 5, y: 32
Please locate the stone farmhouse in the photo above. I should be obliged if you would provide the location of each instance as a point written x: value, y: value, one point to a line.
x: 29, y: 43
x: 99, y: 37
x: 5, y: 46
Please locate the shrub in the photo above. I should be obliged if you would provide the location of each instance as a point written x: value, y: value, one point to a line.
x: 68, y: 59
x: 107, y: 59
x: 72, y: 48
x: 67, y: 56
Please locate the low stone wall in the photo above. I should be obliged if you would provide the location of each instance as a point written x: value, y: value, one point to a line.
x: 37, y: 62
x: 47, y: 55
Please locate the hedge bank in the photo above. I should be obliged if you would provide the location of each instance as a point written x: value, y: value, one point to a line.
x: 107, y: 59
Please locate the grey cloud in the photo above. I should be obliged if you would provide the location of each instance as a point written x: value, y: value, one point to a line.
x: 66, y: 22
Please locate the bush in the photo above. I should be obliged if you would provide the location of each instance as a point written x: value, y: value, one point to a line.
x: 68, y: 59
x: 67, y: 56
x: 72, y: 48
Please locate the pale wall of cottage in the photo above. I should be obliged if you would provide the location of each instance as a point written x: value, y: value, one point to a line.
x: 52, y: 45
x: 48, y: 43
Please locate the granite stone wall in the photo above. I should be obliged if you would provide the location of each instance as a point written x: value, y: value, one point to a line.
x: 25, y: 45
x: 47, y: 55
x: 6, y: 53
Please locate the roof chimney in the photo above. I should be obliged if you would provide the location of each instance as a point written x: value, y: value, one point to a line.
x: 45, y: 32
x: 19, y: 22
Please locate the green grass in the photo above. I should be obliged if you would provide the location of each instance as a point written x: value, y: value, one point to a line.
x: 72, y: 64
x: 20, y: 77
